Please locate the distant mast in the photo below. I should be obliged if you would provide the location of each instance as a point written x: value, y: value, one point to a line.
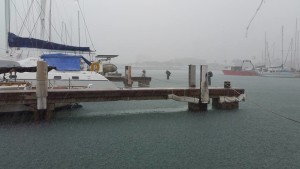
x: 266, y: 48
x: 282, y: 46
x: 78, y: 29
x: 42, y: 14
x: 7, y: 23
x: 50, y: 15
x: 296, y: 42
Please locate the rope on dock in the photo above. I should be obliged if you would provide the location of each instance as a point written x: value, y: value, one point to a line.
x: 228, y: 99
x: 183, y: 98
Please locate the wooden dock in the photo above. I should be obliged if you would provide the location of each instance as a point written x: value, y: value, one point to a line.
x: 44, y: 100
x: 142, y: 81
x: 28, y: 97
x: 66, y: 96
x: 128, y: 80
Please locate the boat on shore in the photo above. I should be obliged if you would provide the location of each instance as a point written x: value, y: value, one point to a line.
x: 241, y: 70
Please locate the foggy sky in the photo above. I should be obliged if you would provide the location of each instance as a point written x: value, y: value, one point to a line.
x: 161, y: 30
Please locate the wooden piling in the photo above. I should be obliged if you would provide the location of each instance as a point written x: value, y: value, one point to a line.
x: 143, y: 82
x: 216, y: 104
x: 225, y: 105
x: 50, y: 112
x: 204, y: 94
x: 127, y: 81
x: 41, y: 88
x: 192, y: 76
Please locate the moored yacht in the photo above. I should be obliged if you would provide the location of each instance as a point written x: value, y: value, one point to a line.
x: 279, y: 72
x: 69, y: 72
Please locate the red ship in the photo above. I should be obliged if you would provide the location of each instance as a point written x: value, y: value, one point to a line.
x: 240, y: 70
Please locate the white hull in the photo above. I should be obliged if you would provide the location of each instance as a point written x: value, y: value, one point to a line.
x: 281, y: 74
x: 72, y: 79
x: 8, y: 63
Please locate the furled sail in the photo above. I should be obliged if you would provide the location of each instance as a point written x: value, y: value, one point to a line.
x: 16, y: 41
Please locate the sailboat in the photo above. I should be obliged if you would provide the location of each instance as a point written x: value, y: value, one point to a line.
x: 279, y: 71
x: 69, y: 71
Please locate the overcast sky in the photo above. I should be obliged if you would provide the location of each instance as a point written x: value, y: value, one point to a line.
x: 161, y: 30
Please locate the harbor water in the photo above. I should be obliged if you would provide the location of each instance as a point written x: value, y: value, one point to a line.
x: 263, y: 133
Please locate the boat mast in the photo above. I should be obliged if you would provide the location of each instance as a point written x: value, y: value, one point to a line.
x: 78, y: 29
x: 7, y: 23
x: 282, y: 46
x: 266, y: 48
x: 42, y: 14
x: 50, y: 15
x: 296, y: 39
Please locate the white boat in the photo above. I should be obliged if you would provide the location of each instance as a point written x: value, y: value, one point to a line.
x: 89, y: 78
x: 72, y: 73
x: 68, y: 75
x: 280, y: 72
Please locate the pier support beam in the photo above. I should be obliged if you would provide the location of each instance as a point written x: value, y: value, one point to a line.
x: 50, y: 112
x: 144, y: 82
x: 216, y: 104
x: 225, y: 105
x: 200, y: 107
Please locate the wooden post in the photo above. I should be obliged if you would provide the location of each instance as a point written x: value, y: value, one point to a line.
x: 128, y: 81
x: 144, y: 82
x: 204, y: 95
x: 192, y: 76
x: 225, y: 105
x: 50, y: 112
x: 204, y: 92
x: 41, y: 88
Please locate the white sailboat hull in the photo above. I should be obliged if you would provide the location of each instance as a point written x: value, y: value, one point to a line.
x: 281, y: 74
x: 71, y: 79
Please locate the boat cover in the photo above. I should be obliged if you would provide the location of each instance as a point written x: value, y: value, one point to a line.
x: 63, y: 62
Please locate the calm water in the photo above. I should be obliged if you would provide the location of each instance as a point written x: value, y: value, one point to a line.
x: 162, y: 134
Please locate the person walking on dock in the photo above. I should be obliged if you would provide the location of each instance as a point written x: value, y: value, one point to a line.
x: 168, y: 74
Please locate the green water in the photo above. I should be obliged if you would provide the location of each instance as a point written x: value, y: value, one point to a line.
x: 162, y: 134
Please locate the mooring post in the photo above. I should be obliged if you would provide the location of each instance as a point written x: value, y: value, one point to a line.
x: 50, y: 112
x: 204, y: 93
x: 192, y: 76
x: 127, y: 81
x: 216, y: 104
x: 41, y: 89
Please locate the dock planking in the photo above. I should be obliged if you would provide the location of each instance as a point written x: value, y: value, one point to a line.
x: 77, y: 95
